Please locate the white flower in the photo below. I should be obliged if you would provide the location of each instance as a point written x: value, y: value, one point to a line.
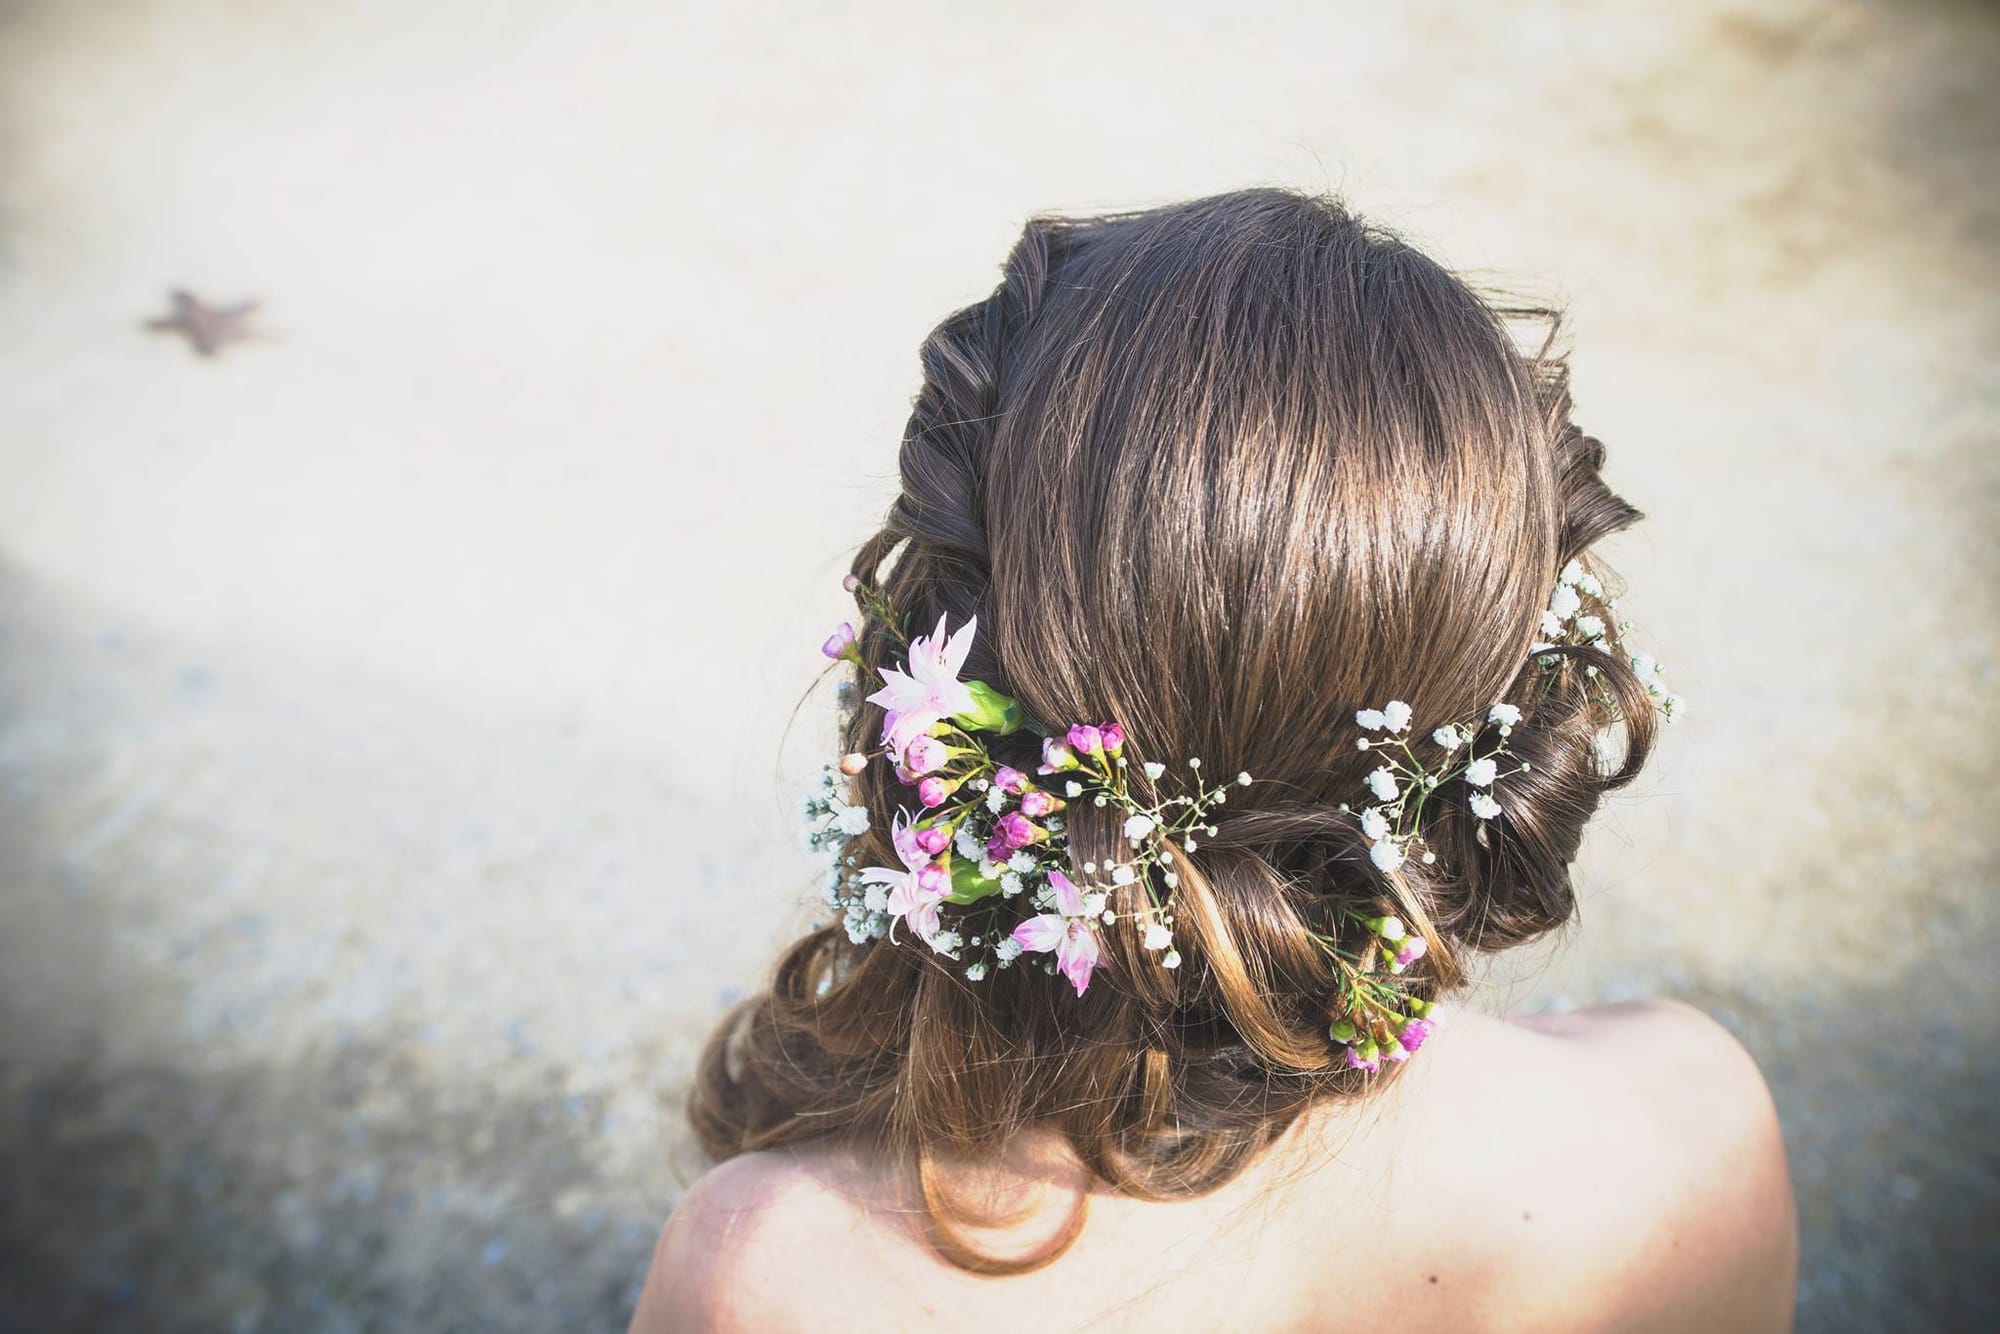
x: 1072, y: 788
x: 1374, y: 825
x: 1396, y: 714
x: 995, y: 799
x: 1153, y: 769
x: 1157, y: 936
x: 1645, y: 664
x: 1386, y: 855
x: 1481, y: 773
x: 1588, y: 585
x: 1171, y: 959
x: 1022, y: 861
x: 1012, y: 884
x: 1243, y: 779
x: 875, y: 898
x: 1383, y: 784
x: 1006, y: 949
x: 1565, y: 603
x: 968, y: 844
x: 1138, y: 826
x: 1123, y: 875
x: 852, y: 820
x: 976, y: 972
x: 990, y: 870
x: 1392, y: 929
x: 1571, y: 573
x: 1372, y: 719
x: 1449, y: 737
x: 1673, y: 706
x: 1504, y: 714
x: 1484, y: 806
x: 946, y: 941
x: 1591, y: 627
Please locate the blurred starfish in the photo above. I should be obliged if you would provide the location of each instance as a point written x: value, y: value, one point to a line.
x: 207, y: 328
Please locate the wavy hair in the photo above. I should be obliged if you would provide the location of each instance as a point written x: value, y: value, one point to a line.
x: 1225, y: 471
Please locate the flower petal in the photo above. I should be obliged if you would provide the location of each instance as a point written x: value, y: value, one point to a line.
x: 1077, y: 955
x: 1040, y: 934
x: 1069, y: 899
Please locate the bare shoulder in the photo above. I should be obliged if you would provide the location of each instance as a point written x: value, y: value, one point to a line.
x: 747, y: 1240
x: 1664, y: 1198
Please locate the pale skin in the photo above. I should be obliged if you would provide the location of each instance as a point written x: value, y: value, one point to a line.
x: 1611, y: 1169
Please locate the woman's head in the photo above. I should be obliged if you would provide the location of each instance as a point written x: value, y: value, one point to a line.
x: 1226, y: 471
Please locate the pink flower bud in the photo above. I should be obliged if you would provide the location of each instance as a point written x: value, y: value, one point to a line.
x: 1416, y: 1033
x: 1037, y: 803
x: 853, y: 763
x: 1086, y: 740
x: 850, y: 582
x: 925, y: 754
x: 1056, y: 756
x: 1114, y: 738
x: 839, y: 641
x: 933, y: 840
x: 934, y: 791
x: 1010, y: 780
x: 1366, y: 1057
x: 1015, y: 830
x: 1412, y: 949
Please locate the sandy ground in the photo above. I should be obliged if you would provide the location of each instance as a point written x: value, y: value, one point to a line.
x: 394, y: 771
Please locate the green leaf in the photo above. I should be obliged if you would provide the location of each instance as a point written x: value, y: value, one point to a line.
x: 967, y: 885
x: 991, y: 711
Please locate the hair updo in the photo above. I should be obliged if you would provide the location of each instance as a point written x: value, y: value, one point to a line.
x: 1225, y: 471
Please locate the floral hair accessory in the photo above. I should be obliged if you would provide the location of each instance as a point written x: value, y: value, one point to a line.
x: 985, y: 869
x: 984, y: 840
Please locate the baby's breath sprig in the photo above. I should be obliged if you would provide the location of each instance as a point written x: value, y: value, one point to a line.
x: 1403, y: 782
x: 1375, y: 1017
x: 1580, y: 613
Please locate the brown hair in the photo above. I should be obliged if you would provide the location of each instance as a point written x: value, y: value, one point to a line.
x: 1225, y: 471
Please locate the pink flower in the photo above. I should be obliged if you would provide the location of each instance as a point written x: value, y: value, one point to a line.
x: 1114, y: 738
x: 839, y: 641
x: 1416, y: 1033
x: 1365, y: 1057
x: 1010, y: 779
x: 850, y: 582
x: 1037, y: 803
x: 915, y: 891
x: 1056, y: 755
x: 1408, y: 951
x: 924, y: 754
x: 1071, y: 931
x: 933, y: 840
x: 1086, y: 740
x: 935, y: 791
x: 1015, y: 830
x: 915, y: 700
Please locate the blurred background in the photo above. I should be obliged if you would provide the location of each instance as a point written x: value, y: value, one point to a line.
x: 395, y: 781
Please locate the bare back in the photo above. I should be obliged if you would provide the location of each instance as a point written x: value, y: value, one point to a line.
x: 1616, y: 1169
